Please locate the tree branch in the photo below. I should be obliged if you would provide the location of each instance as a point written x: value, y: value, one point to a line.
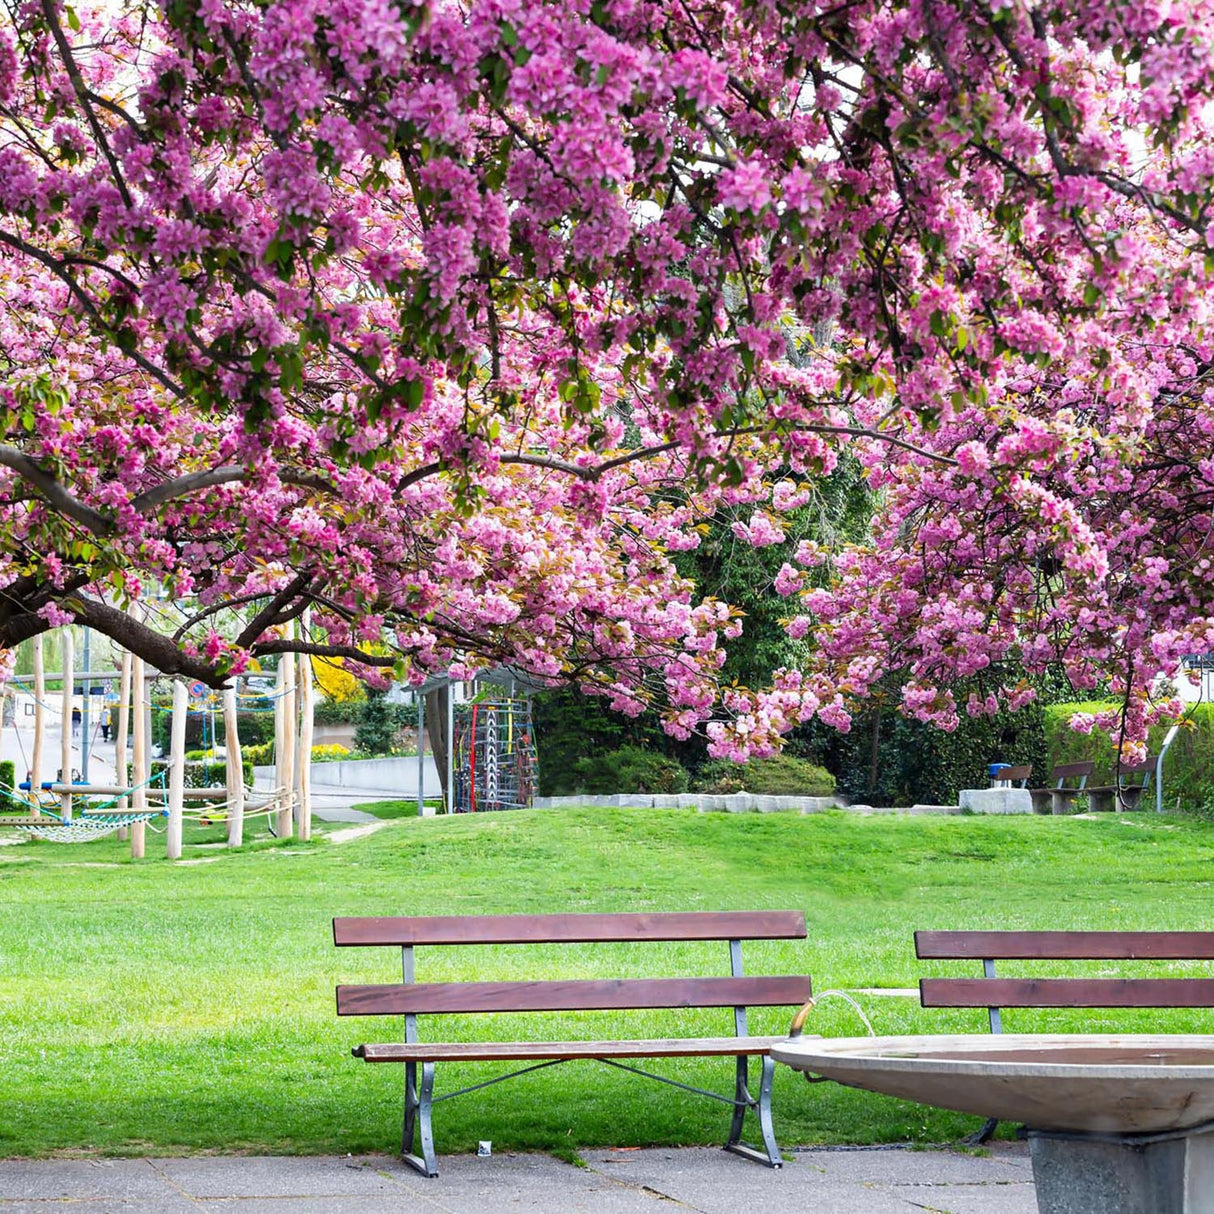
x: 53, y: 493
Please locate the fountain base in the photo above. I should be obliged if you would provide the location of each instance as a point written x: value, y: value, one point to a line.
x: 1129, y: 1173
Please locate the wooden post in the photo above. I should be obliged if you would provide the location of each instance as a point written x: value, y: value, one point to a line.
x: 450, y: 749
x: 235, y: 769
x: 176, y: 769
x: 421, y: 754
x: 139, y: 756
x: 121, y: 729
x: 282, y: 764
x: 65, y: 743
x: 290, y: 734
x: 35, y: 772
x: 304, y: 758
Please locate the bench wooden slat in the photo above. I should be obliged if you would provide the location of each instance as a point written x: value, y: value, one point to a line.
x: 576, y: 995
x: 509, y: 1051
x: 569, y: 929
x: 1137, y: 769
x: 1021, y: 772
x: 1074, y: 946
x: 1068, y: 771
x: 1066, y: 992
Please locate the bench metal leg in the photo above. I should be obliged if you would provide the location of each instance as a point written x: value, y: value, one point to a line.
x: 743, y: 1100
x: 417, y: 1119
x: 978, y: 1137
x: 741, y: 1094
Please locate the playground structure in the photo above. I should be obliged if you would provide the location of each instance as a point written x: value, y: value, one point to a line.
x: 494, y: 755
x: 67, y: 808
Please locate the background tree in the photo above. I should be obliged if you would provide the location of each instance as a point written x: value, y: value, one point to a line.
x: 454, y: 323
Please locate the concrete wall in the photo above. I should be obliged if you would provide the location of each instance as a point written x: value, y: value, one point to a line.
x: 397, y: 776
x: 996, y: 800
x: 736, y: 803
x: 330, y: 735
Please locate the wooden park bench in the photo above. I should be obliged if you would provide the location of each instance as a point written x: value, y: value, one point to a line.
x: 412, y: 999
x: 995, y: 993
x: 1019, y: 775
x: 1060, y: 798
x: 1126, y: 793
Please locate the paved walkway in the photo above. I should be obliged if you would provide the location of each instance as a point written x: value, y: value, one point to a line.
x: 651, y: 1181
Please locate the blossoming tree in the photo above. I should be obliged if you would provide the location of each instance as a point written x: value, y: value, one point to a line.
x: 449, y: 323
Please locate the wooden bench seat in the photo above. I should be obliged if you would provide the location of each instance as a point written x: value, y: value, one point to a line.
x: 489, y: 1051
x: 412, y: 999
x: 995, y: 993
x: 1133, y: 780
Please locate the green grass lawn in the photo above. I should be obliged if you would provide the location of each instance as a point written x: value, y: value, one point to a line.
x: 396, y: 809
x: 163, y: 1008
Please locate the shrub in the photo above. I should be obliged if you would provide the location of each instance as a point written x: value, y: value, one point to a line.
x: 781, y: 775
x: 258, y: 755
x: 629, y: 770
x: 201, y: 775
x: 376, y: 732
x: 253, y: 726
x: 337, y: 712
x: 570, y: 726
x: 330, y: 752
x: 8, y: 774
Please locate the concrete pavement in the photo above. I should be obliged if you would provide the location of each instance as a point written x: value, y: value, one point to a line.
x: 648, y: 1181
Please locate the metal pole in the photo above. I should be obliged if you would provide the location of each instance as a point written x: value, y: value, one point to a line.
x: 84, y: 713
x: 1163, y: 750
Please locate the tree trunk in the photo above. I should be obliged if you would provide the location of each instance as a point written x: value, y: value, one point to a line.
x: 436, y: 727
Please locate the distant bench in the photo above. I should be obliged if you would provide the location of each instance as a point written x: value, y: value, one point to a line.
x: 1071, y: 779
x: 413, y: 999
x: 995, y: 993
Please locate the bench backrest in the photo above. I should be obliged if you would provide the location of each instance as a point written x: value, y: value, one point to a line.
x: 1072, y: 771
x: 412, y: 998
x: 570, y: 929
x: 1022, y: 773
x: 1144, y: 770
x: 993, y: 993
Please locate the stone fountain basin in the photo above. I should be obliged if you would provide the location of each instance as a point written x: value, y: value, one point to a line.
x: 1131, y: 1084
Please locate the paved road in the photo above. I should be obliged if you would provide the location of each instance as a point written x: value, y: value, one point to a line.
x: 651, y: 1181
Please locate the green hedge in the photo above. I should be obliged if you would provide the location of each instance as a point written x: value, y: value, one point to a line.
x: 202, y: 775
x: 337, y: 712
x: 782, y: 775
x: 253, y: 727
x: 1188, y: 769
x: 629, y: 770
x: 915, y: 762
